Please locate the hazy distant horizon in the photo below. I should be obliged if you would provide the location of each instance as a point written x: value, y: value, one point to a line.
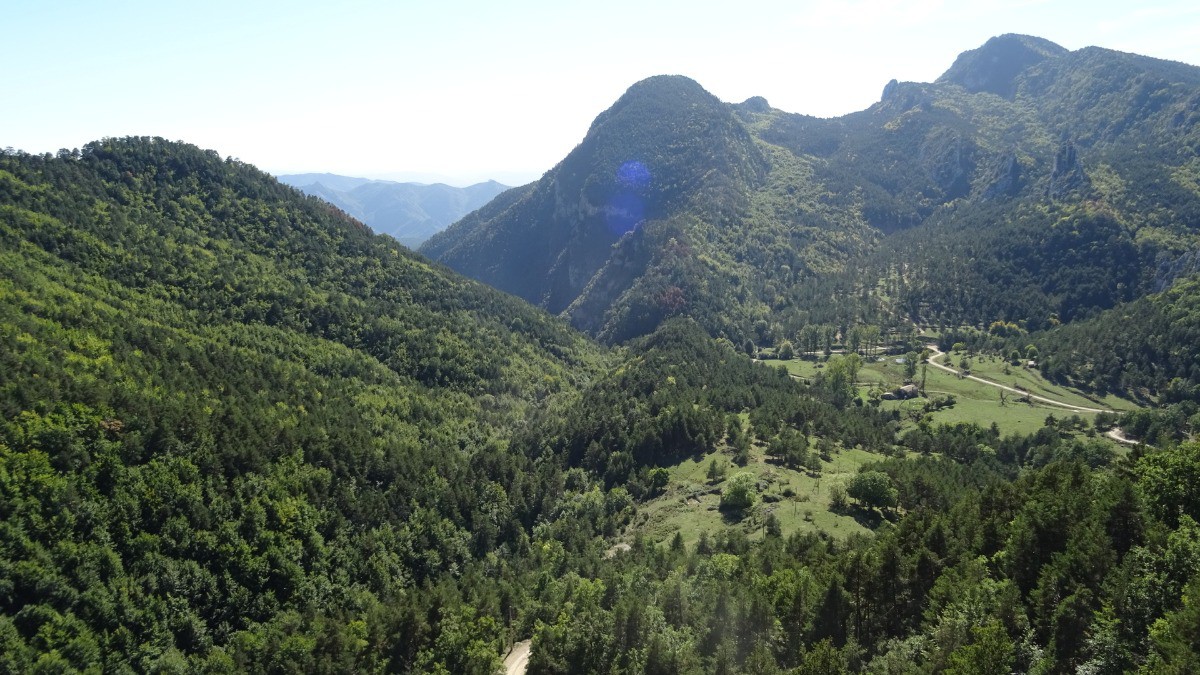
x: 427, y: 178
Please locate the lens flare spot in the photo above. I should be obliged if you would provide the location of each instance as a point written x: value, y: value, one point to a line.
x: 633, y: 175
x: 626, y: 209
x: 625, y: 212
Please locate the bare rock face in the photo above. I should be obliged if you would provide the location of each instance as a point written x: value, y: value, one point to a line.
x: 889, y: 89
x: 1170, y: 268
x: 1005, y: 178
x: 949, y: 161
x: 900, y: 97
x: 1067, y: 176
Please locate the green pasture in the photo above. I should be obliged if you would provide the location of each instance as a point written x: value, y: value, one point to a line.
x: 690, y: 504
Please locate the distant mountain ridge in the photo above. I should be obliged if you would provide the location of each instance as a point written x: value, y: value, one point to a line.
x: 1029, y: 184
x: 410, y: 212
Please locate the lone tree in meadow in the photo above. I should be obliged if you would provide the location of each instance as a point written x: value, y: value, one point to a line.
x: 786, y: 351
x: 741, y: 491
x: 716, y: 472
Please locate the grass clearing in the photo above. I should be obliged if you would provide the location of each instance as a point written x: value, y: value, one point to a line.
x: 805, y: 369
x: 980, y: 403
x: 1001, y: 371
x: 976, y: 402
x: 690, y: 504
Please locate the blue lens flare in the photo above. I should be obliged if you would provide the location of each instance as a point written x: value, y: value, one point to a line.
x: 633, y: 175
x: 625, y: 212
x: 627, y: 208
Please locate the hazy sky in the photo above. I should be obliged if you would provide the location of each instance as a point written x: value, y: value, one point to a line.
x: 462, y: 91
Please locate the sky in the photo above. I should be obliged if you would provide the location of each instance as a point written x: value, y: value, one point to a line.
x: 459, y: 92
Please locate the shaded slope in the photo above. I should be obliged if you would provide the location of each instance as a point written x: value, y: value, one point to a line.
x: 663, y: 147
x: 995, y: 66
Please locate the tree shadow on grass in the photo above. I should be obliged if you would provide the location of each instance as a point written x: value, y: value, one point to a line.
x: 870, y: 518
x: 732, y: 516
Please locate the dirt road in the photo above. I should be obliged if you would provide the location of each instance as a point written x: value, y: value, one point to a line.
x: 1119, y: 436
x: 1020, y: 392
x: 1114, y: 434
x: 517, y: 659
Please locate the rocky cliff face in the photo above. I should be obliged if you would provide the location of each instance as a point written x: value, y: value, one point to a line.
x: 1066, y: 176
x: 1004, y: 177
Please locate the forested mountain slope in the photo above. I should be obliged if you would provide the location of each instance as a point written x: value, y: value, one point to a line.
x: 1029, y: 184
x: 1149, y: 345
x: 239, y: 433
x: 578, y: 238
x: 237, y: 430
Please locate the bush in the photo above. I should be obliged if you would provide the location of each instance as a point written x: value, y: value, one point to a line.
x: 837, y: 498
x: 740, y: 492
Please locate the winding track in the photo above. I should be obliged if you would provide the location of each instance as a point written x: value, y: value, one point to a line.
x: 1114, y: 433
x: 1078, y: 408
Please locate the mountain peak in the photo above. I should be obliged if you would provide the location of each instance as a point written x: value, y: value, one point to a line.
x: 664, y: 84
x: 666, y: 147
x: 755, y: 104
x: 662, y: 94
x: 994, y: 66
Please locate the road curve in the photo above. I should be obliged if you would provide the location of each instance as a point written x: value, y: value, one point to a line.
x: 517, y: 659
x: 1115, y: 433
x: 937, y: 352
x: 1119, y: 436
